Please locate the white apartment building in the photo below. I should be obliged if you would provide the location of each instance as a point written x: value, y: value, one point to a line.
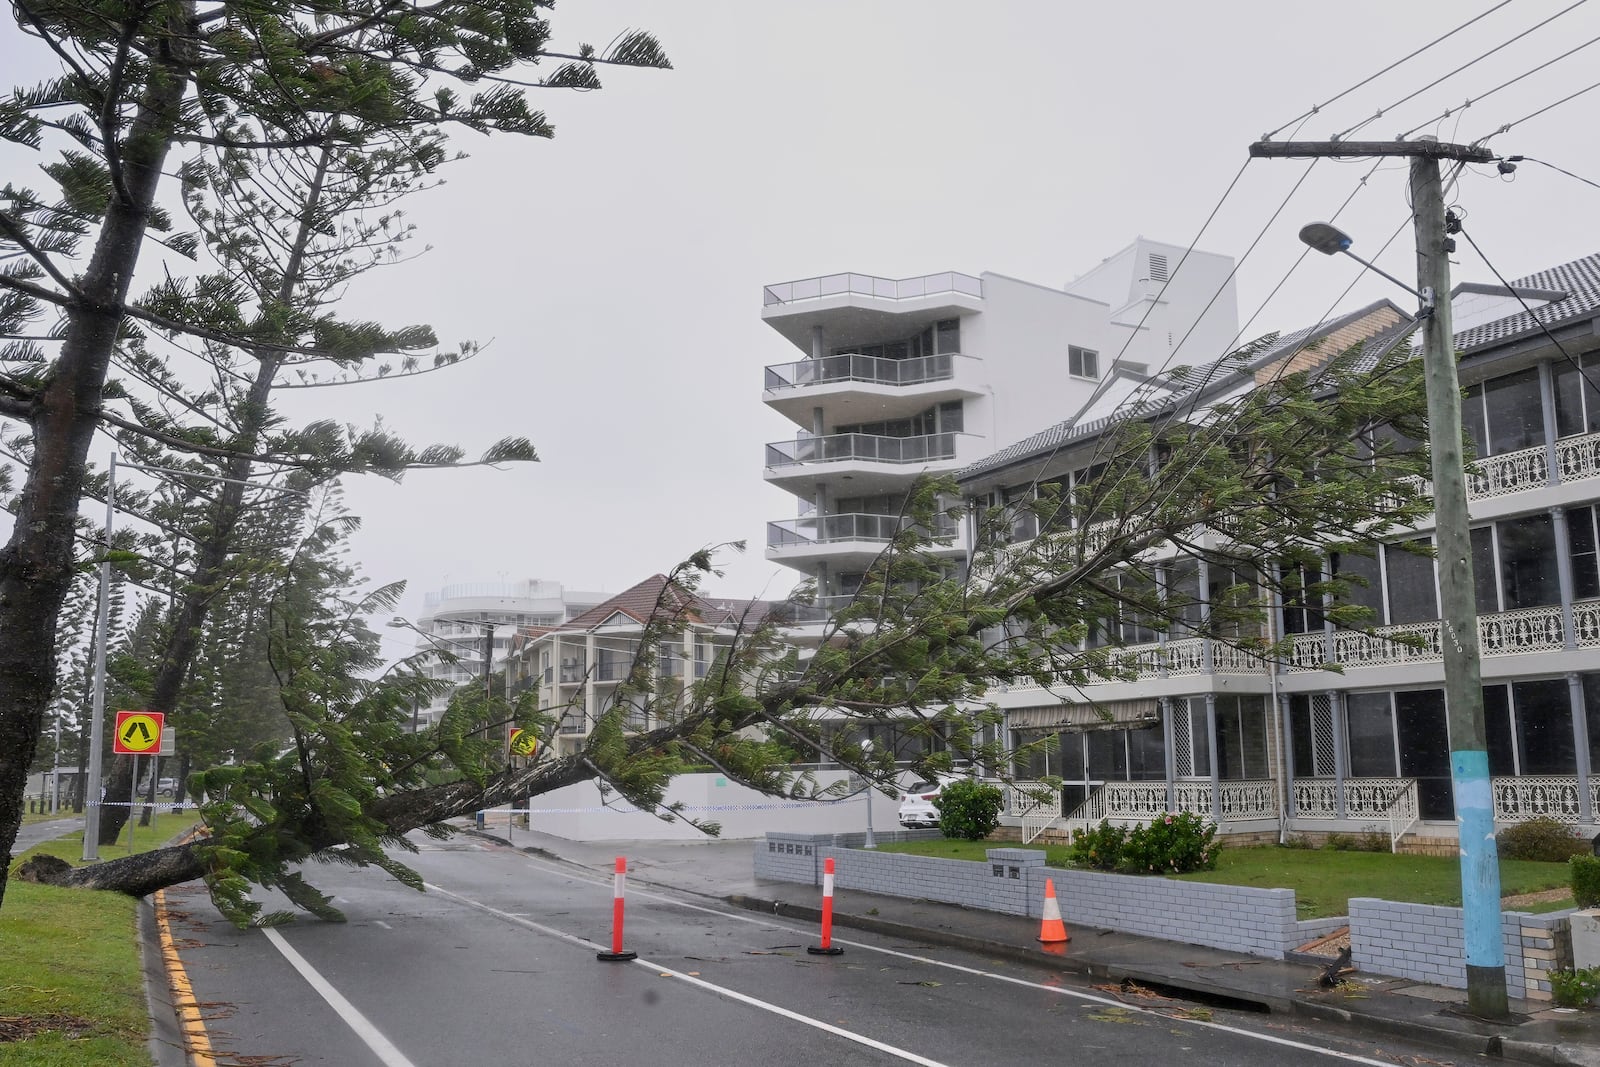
x: 899, y: 378
x: 1271, y: 747
x: 458, y: 618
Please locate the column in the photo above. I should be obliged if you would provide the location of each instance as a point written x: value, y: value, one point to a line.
x: 1547, y: 404
x: 1580, y: 737
x: 1169, y: 747
x: 1203, y: 595
x: 1558, y: 525
x: 1216, y: 771
x: 1286, y: 755
x: 1341, y: 761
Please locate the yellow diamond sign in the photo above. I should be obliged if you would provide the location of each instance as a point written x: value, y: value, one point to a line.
x: 523, y: 742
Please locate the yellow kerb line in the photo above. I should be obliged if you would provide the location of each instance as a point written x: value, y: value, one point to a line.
x: 197, y: 1042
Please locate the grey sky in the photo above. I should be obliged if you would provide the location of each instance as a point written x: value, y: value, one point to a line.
x: 617, y: 270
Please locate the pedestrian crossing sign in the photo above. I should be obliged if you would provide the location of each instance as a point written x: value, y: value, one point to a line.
x: 524, y: 742
x: 138, y: 733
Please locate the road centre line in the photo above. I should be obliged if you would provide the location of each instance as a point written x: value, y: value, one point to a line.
x: 722, y: 991
x: 1093, y: 998
x: 362, y: 1027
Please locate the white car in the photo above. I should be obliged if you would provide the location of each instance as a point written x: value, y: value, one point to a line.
x: 917, y: 808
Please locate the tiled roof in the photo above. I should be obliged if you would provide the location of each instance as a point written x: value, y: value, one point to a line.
x: 658, y: 593
x: 1580, y: 280
x: 1177, y: 391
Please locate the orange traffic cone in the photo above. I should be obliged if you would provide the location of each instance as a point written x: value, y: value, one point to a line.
x: 1052, y: 931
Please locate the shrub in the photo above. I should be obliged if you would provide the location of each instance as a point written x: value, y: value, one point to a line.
x: 1100, y: 848
x: 1366, y: 841
x: 969, y: 809
x: 1586, y: 881
x: 1575, y: 988
x: 1541, y: 839
x: 1172, y: 844
x: 1297, y: 841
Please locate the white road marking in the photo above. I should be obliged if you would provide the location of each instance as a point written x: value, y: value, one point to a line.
x: 381, y: 1046
x: 723, y: 991
x: 756, y: 920
x: 380, y: 922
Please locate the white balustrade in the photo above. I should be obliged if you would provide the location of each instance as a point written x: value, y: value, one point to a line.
x: 1578, y: 457
x: 1530, y: 797
x: 1316, y: 798
x: 1193, y: 797
x: 1249, y: 799
x: 1142, y: 801
x: 1506, y: 633
x: 1508, y: 472
x: 1586, y: 623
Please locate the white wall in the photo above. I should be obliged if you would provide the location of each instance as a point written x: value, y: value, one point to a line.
x: 575, y: 812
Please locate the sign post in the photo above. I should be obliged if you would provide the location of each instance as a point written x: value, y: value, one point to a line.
x: 137, y: 733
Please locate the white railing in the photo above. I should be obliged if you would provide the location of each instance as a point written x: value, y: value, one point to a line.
x: 1594, y: 795
x: 1403, y: 813
x: 1364, y: 798
x: 1578, y: 457
x: 1550, y: 796
x: 1137, y: 800
x: 1255, y: 798
x: 1508, y: 472
x: 1037, y: 804
x: 1506, y: 633
x: 1586, y: 623
x: 1501, y: 633
x: 1185, y: 656
x: 869, y: 285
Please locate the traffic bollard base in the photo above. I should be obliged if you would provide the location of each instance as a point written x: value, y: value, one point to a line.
x: 616, y: 957
x: 832, y: 950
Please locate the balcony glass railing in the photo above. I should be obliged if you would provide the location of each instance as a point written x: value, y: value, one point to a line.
x: 830, y: 529
x: 854, y: 367
x: 861, y: 446
x: 867, y: 285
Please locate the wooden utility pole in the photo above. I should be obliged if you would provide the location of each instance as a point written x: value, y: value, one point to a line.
x: 1469, y: 757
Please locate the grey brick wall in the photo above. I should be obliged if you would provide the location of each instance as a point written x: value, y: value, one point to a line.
x: 791, y: 857
x: 995, y: 885
x: 1260, y: 922
x: 1424, y: 942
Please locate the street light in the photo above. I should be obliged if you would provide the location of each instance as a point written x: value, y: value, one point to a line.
x: 1328, y: 239
x: 1458, y: 619
x: 91, y: 790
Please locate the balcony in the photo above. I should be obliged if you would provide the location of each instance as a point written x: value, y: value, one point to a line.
x: 869, y: 286
x: 877, y: 463
x: 1503, y: 633
x: 832, y: 529
x: 854, y: 367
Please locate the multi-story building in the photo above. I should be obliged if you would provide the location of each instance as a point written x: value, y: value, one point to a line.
x: 900, y: 378
x: 1267, y: 746
x: 458, y: 619
x: 577, y: 665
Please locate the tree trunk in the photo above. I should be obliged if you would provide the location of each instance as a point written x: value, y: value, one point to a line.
x: 37, y: 565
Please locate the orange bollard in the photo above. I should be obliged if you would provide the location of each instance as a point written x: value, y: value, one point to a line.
x: 827, y: 948
x: 1052, y: 931
x: 619, y: 883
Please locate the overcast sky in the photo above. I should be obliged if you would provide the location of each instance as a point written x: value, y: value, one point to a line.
x: 616, y: 271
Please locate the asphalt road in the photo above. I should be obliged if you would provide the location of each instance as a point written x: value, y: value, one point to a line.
x: 496, y: 965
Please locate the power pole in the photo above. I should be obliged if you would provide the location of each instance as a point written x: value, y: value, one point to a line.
x: 1463, y: 683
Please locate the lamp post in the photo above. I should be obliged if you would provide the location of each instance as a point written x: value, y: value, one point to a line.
x: 1463, y: 683
x: 871, y: 841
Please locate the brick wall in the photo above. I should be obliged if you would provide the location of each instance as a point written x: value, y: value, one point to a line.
x: 1424, y: 942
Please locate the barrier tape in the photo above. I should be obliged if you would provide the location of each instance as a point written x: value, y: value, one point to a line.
x: 801, y: 804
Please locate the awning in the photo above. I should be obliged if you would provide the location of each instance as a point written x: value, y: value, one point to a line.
x: 1105, y: 715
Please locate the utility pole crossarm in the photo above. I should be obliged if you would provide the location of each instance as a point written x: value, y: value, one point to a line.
x: 1466, y: 153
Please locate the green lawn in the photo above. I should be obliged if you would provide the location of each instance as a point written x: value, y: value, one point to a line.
x: 69, y: 964
x: 1323, y: 881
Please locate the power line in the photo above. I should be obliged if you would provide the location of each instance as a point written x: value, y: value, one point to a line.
x: 1317, y: 108
x: 1445, y: 77
x: 1535, y: 114
x: 1552, y: 166
x: 1485, y: 95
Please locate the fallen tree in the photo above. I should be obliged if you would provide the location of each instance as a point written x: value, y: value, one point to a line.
x: 1260, y: 484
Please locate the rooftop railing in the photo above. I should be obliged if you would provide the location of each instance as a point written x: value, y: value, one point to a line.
x: 867, y: 285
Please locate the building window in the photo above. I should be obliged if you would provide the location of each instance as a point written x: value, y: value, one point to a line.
x: 1582, y: 543
x: 1514, y: 564
x: 1369, y: 735
x: 1083, y: 362
x: 1578, y: 397
x: 1302, y: 611
x: 1241, y: 738
x: 1412, y: 595
x: 1505, y: 414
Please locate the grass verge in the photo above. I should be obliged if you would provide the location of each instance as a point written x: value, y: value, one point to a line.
x: 1323, y: 881
x: 71, y: 991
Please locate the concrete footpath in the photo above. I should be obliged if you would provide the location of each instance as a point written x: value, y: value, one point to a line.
x: 1375, y: 1004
